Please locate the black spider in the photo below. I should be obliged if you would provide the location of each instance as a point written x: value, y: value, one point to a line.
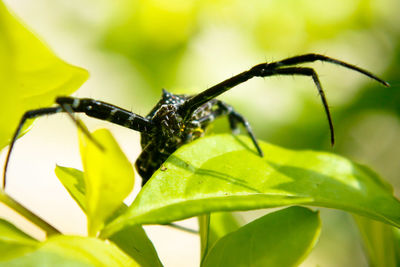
x: 179, y: 119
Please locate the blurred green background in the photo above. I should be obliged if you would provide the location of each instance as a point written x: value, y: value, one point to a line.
x: 133, y: 48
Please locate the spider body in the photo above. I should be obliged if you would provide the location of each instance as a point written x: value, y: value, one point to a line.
x: 178, y: 119
x: 170, y: 129
x: 170, y: 132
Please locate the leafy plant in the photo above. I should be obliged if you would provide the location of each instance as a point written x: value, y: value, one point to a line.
x: 228, y: 177
x: 209, y: 178
x: 30, y: 74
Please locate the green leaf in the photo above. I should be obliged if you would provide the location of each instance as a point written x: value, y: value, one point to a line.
x: 380, y: 242
x: 73, y: 251
x: 221, y: 224
x: 396, y: 234
x: 213, y: 227
x: 109, y: 178
x: 31, y: 76
x: 73, y: 180
x: 223, y: 172
x: 282, y: 238
x: 132, y: 239
x: 13, y: 241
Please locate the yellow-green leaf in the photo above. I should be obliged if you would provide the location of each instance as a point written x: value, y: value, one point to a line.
x: 134, y: 242
x: 223, y: 172
x: 73, y: 251
x: 214, y: 226
x: 73, y: 180
x: 109, y: 177
x: 14, y: 242
x: 31, y: 75
x: 132, y: 239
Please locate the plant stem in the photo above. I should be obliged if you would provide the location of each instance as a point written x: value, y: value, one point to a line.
x: 204, y: 230
x: 182, y: 228
x: 33, y: 218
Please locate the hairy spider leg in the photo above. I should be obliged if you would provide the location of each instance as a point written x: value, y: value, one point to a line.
x: 67, y: 108
x: 306, y: 58
x: 234, y: 118
x: 105, y: 111
x: 271, y: 69
x: 310, y: 72
x: 92, y: 108
x: 31, y: 114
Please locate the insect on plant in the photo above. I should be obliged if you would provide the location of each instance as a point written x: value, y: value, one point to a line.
x: 178, y: 119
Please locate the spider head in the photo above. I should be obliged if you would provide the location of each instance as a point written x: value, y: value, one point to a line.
x: 169, y: 120
x: 169, y: 98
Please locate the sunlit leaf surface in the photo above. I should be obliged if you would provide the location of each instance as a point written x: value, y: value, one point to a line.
x: 73, y: 180
x: 214, y: 226
x: 282, y: 238
x: 132, y: 239
x: 31, y: 75
x: 223, y: 172
x: 109, y: 177
x: 14, y: 242
x: 134, y: 242
x: 73, y: 251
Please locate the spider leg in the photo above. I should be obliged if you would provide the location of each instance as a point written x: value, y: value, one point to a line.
x: 67, y: 108
x: 263, y: 70
x: 234, y: 118
x: 306, y: 58
x: 28, y: 115
x: 271, y: 69
x: 92, y: 108
x: 104, y: 111
x: 311, y: 72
